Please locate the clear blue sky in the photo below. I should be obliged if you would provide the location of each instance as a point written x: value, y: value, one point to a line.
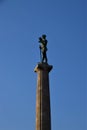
x: 64, y: 23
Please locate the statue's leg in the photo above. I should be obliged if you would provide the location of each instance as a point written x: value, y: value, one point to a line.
x: 46, y: 59
x: 43, y: 58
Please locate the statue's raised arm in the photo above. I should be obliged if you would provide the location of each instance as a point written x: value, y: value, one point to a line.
x: 43, y: 48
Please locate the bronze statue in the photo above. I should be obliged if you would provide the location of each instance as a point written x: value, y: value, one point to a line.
x: 43, y: 48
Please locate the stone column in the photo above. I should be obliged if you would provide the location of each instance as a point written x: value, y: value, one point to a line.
x: 43, y: 114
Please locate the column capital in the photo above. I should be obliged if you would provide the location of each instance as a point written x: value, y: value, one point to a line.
x: 43, y: 67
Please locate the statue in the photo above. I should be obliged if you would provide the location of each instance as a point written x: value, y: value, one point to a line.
x: 43, y: 48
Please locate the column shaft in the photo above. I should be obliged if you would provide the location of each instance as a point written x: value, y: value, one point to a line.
x: 43, y: 114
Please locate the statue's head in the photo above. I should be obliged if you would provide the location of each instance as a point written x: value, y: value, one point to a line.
x: 44, y: 36
x: 43, y: 39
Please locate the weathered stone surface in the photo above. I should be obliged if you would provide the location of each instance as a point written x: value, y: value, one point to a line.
x: 43, y: 114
